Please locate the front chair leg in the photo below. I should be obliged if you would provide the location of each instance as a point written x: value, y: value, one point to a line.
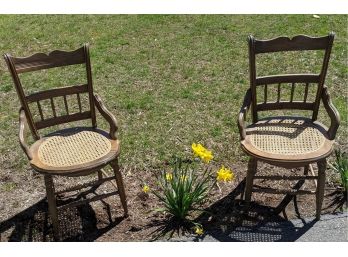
x: 320, y: 187
x: 120, y: 186
x: 252, y: 166
x: 52, y: 206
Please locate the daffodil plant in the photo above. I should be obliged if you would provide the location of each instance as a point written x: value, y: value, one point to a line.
x: 185, y: 187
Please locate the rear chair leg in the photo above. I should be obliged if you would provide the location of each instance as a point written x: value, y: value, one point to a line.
x: 252, y: 166
x: 120, y: 186
x: 320, y: 187
x: 52, y: 206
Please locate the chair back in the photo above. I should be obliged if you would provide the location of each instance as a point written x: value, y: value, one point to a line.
x: 41, y: 61
x: 282, y: 44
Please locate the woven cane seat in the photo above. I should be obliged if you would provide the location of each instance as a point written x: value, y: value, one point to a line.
x: 73, y: 149
x: 286, y: 138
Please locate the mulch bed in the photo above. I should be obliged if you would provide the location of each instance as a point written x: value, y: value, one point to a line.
x: 103, y: 220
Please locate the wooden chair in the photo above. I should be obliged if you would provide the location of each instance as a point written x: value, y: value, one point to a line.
x: 288, y: 141
x: 78, y: 151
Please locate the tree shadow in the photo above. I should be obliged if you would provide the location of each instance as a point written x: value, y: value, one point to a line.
x: 75, y: 224
x: 229, y: 219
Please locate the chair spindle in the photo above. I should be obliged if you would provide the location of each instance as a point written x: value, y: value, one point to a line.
x: 278, y: 97
x: 66, y: 105
x: 40, y: 110
x: 306, y: 93
x: 53, y: 108
x: 79, y: 101
x: 292, y: 92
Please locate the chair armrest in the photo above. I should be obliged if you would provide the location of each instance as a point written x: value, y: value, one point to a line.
x: 242, y: 114
x: 332, y: 112
x: 108, y: 116
x: 23, y: 126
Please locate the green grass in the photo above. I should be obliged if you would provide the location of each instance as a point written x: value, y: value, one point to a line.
x: 170, y: 79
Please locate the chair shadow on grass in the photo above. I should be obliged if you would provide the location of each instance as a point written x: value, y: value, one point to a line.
x: 76, y: 224
x: 229, y: 220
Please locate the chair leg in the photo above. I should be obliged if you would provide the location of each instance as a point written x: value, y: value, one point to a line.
x: 100, y: 175
x: 305, y: 171
x: 320, y: 187
x: 52, y: 206
x: 120, y: 186
x: 252, y: 166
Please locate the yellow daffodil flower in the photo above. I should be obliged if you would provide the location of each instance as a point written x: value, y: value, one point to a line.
x: 169, y: 176
x: 224, y: 175
x: 146, y: 189
x: 202, y: 152
x: 183, y: 178
x: 199, y: 230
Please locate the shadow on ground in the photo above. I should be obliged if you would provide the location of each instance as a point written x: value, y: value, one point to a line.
x: 76, y: 224
x: 225, y: 220
x: 229, y: 220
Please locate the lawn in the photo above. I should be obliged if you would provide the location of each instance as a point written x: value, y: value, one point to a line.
x: 169, y: 79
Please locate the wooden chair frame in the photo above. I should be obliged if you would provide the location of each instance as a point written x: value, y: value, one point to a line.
x: 54, y: 59
x: 280, y: 44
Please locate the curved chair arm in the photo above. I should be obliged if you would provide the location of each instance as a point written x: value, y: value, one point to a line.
x: 332, y: 112
x: 108, y: 116
x: 242, y: 114
x: 23, y: 125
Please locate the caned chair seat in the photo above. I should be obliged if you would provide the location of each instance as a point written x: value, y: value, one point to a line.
x: 73, y: 150
x: 287, y: 138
